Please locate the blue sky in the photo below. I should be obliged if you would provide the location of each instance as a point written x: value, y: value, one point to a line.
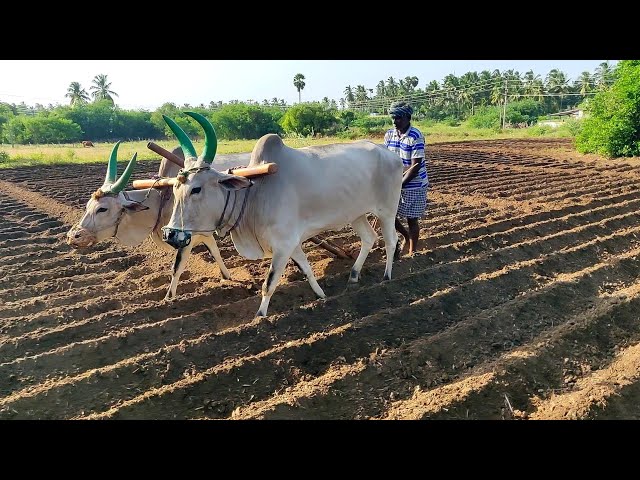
x: 147, y: 84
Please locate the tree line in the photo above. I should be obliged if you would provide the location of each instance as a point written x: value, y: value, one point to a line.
x: 457, y: 98
x: 479, y: 99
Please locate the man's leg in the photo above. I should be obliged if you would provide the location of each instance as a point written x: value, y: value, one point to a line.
x: 414, y: 234
x: 400, y: 228
x: 405, y: 234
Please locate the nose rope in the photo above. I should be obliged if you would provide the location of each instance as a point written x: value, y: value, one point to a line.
x: 181, y: 214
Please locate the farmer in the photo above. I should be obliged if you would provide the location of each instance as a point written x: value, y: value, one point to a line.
x: 408, y: 142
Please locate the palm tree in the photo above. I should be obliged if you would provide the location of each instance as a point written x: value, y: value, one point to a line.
x: 557, y: 84
x: 585, y: 83
x: 298, y: 82
x: 100, y: 88
x: 361, y: 96
x: 603, y: 75
x: 77, y: 94
x: 392, y: 87
x: 349, y: 95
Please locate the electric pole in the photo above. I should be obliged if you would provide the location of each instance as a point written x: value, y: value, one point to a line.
x: 504, y: 113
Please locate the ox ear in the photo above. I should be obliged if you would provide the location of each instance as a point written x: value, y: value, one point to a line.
x: 133, y: 207
x: 233, y: 182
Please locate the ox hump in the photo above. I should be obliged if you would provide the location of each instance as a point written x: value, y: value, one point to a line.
x: 267, y: 148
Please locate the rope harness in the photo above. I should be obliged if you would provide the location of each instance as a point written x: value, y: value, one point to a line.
x: 165, y: 195
x: 221, y: 224
x: 99, y: 194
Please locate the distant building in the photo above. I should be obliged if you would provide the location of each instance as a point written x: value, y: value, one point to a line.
x: 560, y: 117
x: 573, y: 113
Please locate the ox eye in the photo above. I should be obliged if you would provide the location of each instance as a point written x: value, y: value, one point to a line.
x: 195, y: 190
x: 101, y: 209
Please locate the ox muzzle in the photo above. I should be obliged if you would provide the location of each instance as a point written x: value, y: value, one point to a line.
x: 175, y: 237
x: 79, y: 237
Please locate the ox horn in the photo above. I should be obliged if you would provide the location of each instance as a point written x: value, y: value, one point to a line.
x: 185, y: 143
x: 210, y: 137
x: 124, y: 178
x: 112, y: 167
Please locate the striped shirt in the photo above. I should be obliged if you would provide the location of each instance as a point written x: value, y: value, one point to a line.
x: 409, y: 145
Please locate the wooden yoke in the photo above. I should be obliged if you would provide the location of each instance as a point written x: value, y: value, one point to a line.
x: 166, y: 154
x: 249, y: 172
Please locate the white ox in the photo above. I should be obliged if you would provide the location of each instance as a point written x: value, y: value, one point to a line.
x: 132, y: 215
x: 315, y: 189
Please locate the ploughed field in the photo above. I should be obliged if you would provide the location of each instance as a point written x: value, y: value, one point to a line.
x: 523, y: 302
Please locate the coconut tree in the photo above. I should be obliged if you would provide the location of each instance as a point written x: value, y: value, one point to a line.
x: 584, y: 83
x: 101, y: 89
x: 450, y: 85
x: 603, y: 75
x: 469, y: 85
x: 298, y: 82
x: 349, y: 95
x: 557, y: 83
x: 77, y: 94
x: 392, y: 87
x: 361, y: 96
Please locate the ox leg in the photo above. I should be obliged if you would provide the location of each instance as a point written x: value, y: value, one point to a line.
x: 179, y: 264
x: 367, y: 238
x: 300, y: 258
x: 156, y: 236
x: 212, y: 246
x: 390, y: 240
x: 276, y: 269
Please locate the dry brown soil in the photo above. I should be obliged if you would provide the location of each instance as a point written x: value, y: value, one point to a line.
x: 523, y: 302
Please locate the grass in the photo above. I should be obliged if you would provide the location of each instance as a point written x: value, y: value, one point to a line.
x: 27, y: 155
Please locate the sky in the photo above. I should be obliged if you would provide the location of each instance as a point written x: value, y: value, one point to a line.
x: 147, y: 84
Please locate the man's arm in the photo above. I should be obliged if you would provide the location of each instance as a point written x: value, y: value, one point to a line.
x: 412, y: 171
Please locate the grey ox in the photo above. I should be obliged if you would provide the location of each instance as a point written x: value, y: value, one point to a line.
x: 132, y: 215
x: 315, y: 189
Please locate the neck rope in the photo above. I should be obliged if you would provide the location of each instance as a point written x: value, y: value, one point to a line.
x: 222, y: 226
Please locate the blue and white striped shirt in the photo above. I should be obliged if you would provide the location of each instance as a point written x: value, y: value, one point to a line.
x: 409, y: 145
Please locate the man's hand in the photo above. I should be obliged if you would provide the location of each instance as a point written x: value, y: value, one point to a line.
x: 412, y: 171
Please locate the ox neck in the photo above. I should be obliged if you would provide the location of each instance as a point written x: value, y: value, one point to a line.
x: 136, y: 194
x: 224, y: 227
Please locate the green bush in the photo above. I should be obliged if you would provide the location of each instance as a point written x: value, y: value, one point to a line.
x: 572, y: 126
x: 612, y: 128
x: 485, y: 117
x: 244, y: 121
x: 311, y: 118
x: 524, y: 111
x: 188, y: 124
x: 539, y: 130
x: 39, y: 129
x: 4, y: 156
